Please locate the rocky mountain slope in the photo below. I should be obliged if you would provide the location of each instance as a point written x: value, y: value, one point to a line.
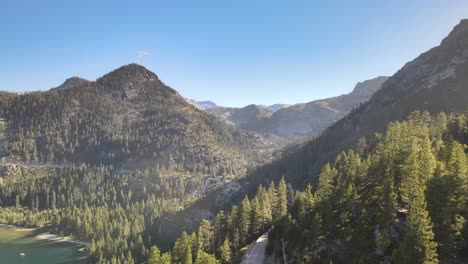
x: 274, y: 107
x: 435, y: 81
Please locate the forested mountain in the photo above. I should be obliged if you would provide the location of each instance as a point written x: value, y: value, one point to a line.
x: 129, y: 119
x: 104, y: 160
x: 436, y: 81
x: 299, y: 119
x: 108, y: 161
x: 401, y: 198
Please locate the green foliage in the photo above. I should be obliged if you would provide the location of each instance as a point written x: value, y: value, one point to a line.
x: 205, y: 258
x: 402, y: 197
x: 225, y: 237
x: 116, y: 210
x: 182, y: 252
x: 225, y: 251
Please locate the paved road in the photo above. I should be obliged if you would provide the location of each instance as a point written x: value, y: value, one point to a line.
x: 256, y: 251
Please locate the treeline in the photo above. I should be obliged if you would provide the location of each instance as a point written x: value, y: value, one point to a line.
x: 400, y: 198
x: 223, y: 240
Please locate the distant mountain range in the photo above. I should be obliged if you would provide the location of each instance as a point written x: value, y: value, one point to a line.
x: 207, y: 105
x: 294, y: 120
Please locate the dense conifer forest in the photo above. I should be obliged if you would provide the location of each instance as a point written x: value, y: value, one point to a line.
x: 400, y: 197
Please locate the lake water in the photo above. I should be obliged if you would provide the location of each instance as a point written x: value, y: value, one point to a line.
x: 13, y: 243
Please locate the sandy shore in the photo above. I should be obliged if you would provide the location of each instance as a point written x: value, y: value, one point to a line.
x: 19, y: 228
x: 47, y: 236
x: 54, y: 237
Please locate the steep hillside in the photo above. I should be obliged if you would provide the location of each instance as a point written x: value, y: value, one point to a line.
x: 435, y: 81
x: 129, y: 119
x: 400, y: 199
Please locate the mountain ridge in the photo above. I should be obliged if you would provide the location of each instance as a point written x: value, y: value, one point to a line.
x: 422, y: 84
x: 303, y: 119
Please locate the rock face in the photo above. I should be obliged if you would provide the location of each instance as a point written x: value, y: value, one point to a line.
x: 300, y: 119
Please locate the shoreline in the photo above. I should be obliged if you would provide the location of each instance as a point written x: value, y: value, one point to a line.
x: 19, y: 228
x: 47, y: 235
x: 56, y: 238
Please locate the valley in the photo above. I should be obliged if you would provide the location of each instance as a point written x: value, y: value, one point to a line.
x: 124, y: 168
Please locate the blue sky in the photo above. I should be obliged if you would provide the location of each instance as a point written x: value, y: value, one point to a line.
x: 232, y: 52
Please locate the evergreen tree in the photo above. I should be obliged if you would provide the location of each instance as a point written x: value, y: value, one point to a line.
x: 225, y: 251
x: 154, y: 256
x: 281, y: 200
x: 182, y: 253
x: 326, y: 183
x: 205, y: 236
x: 418, y: 245
x: 205, y: 258
x: 245, y: 211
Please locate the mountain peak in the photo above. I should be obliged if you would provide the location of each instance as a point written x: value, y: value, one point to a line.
x: 368, y: 87
x: 73, y: 82
x: 131, y: 80
x: 458, y: 37
x: 133, y: 71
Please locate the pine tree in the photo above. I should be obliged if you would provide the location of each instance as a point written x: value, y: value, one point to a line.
x: 219, y: 228
x: 245, y: 211
x: 282, y: 200
x: 205, y: 236
x: 182, y: 253
x: 166, y: 258
x: 154, y: 256
x: 205, y: 258
x: 326, y: 186
x: 225, y: 251
x: 450, y: 198
x: 306, y: 201
x: 265, y: 204
x: 418, y: 245
x: 272, y: 197
x: 256, y: 217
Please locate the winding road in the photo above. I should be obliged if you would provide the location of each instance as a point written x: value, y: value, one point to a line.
x: 256, y: 251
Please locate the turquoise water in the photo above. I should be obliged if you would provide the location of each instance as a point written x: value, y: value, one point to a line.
x: 13, y: 242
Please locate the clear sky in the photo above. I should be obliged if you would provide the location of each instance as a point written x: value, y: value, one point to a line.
x: 233, y: 52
